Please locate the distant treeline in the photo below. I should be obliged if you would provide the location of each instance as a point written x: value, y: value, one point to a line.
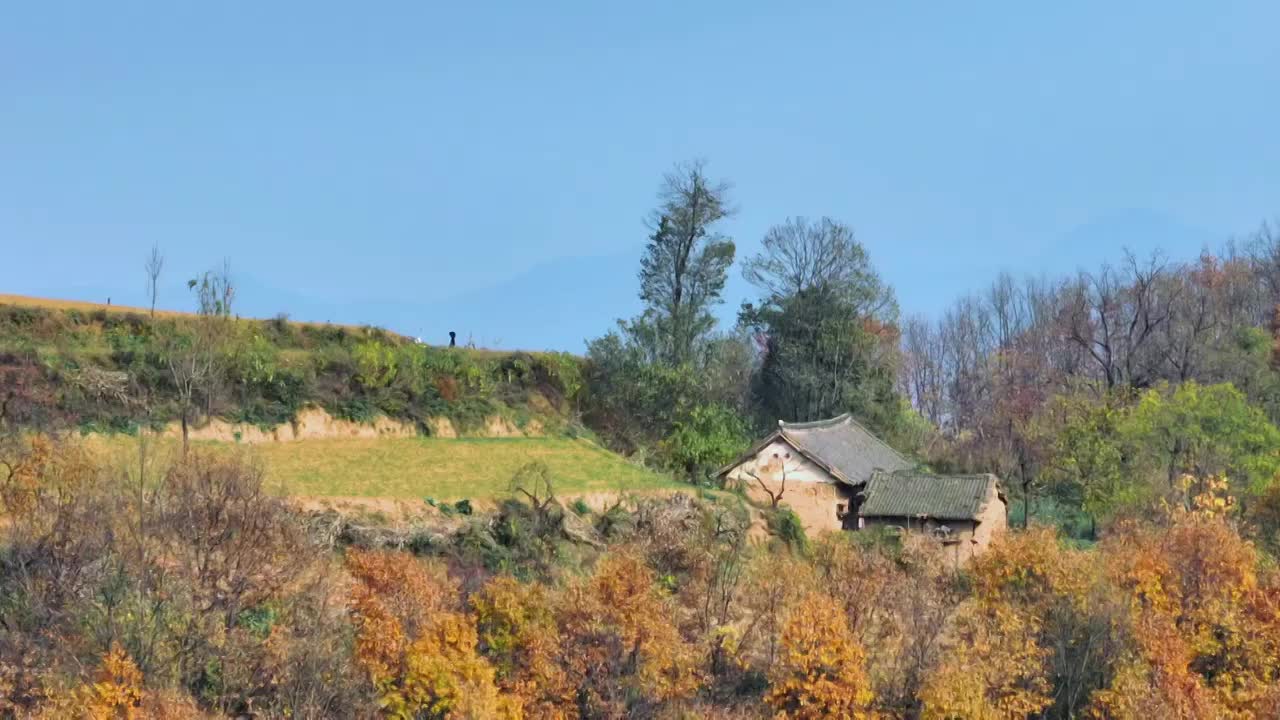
x: 1107, y: 388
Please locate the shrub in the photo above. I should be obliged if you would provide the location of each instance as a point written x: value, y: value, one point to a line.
x: 447, y: 386
x: 708, y: 437
x: 785, y: 525
x: 375, y: 364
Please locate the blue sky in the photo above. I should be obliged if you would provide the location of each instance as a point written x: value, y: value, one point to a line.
x: 486, y: 167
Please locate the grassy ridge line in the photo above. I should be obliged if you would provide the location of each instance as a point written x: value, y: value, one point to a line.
x: 402, y: 468
x: 87, y: 307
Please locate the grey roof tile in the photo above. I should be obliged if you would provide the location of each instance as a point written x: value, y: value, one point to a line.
x: 919, y: 495
x: 844, y: 447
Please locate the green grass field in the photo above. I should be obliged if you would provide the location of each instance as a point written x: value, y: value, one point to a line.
x: 479, y: 468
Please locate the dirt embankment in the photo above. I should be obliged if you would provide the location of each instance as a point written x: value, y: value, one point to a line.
x: 397, y: 522
x: 316, y: 424
x: 414, y: 509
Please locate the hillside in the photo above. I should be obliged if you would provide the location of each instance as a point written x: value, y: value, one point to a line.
x: 112, y: 369
x: 329, y: 410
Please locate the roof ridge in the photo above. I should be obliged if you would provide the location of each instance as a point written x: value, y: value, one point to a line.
x: 809, y: 424
x: 940, y: 476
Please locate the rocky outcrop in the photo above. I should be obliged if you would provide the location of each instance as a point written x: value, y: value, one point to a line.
x: 314, y: 423
x: 441, y: 427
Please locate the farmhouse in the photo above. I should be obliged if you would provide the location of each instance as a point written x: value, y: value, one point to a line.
x: 836, y: 475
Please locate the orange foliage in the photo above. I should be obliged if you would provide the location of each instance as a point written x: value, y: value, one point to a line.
x: 777, y: 581
x: 994, y: 670
x: 1205, y: 626
x: 519, y: 634
x: 996, y: 666
x: 117, y: 693
x: 619, y: 638
x: 418, y: 649
x: 1030, y: 570
x: 445, y: 677
x: 820, y: 673
x: 394, y: 596
x: 43, y: 470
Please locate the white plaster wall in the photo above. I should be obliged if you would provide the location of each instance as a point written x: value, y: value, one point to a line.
x: 768, y: 464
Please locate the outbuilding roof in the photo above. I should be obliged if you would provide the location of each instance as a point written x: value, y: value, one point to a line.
x: 920, y: 495
x: 841, y: 446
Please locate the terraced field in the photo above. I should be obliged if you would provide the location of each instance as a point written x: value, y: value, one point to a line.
x: 415, y: 468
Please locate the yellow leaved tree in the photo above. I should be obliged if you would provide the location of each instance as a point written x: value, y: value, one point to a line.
x: 117, y: 693
x: 819, y: 673
x: 417, y: 647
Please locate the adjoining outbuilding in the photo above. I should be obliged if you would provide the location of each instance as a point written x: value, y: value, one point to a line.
x: 835, y: 474
x: 962, y: 512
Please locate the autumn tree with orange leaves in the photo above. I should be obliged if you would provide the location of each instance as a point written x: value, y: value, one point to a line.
x: 820, y: 673
x: 416, y: 645
x: 1204, y: 622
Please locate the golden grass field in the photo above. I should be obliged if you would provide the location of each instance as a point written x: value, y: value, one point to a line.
x: 83, y: 306
x: 445, y: 469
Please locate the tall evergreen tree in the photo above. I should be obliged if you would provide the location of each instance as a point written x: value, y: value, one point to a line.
x: 686, y: 262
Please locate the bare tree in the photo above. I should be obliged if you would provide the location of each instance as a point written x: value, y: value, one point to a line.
x: 154, y: 265
x: 798, y: 256
x: 1115, y: 315
x: 1264, y: 254
x: 190, y: 363
x: 923, y: 381
x: 193, y: 356
x: 533, y: 480
x: 775, y: 496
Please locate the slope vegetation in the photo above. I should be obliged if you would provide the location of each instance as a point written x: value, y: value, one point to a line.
x: 114, y: 370
x: 329, y: 411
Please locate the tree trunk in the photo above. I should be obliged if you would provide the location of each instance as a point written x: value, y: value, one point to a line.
x: 1026, y: 506
x: 1026, y: 493
x: 186, y: 442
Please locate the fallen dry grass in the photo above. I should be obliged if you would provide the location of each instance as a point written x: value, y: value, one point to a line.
x: 81, y: 305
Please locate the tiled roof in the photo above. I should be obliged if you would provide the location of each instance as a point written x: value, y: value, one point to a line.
x: 919, y: 495
x: 843, y: 447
